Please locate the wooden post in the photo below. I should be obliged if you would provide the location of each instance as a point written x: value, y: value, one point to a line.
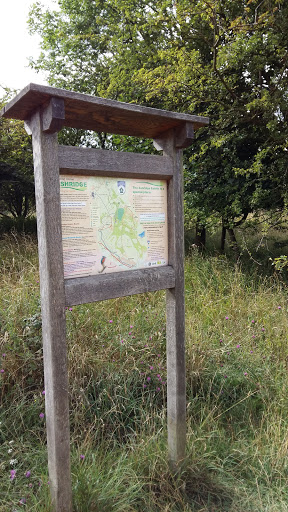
x: 175, y: 304
x: 47, y: 189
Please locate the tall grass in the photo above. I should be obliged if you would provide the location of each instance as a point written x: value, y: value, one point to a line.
x: 237, y: 402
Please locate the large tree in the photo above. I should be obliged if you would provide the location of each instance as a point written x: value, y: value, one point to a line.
x: 16, y: 169
x: 220, y: 58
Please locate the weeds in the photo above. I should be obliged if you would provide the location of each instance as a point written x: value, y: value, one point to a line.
x: 237, y: 405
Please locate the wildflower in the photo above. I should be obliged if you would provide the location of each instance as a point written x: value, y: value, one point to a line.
x: 70, y: 309
x: 22, y: 501
x: 263, y: 329
x: 41, y: 415
x: 148, y: 379
x: 158, y: 389
x: 28, y: 474
x: 13, y: 462
x: 3, y: 355
x: 1, y: 371
x: 225, y: 377
x: 245, y: 373
x: 121, y: 341
x: 82, y: 457
x: 151, y: 367
x: 279, y: 307
x: 252, y: 321
x: 110, y: 321
x: 43, y: 392
x: 12, y: 474
x: 238, y: 346
x: 226, y: 317
x: 131, y: 326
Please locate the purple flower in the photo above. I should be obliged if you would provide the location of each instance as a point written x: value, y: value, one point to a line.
x: 41, y: 415
x: 252, y: 321
x: 121, y: 341
x: 110, y: 321
x: 12, y: 474
x: 22, y: 501
x: 28, y: 474
x: 70, y: 309
x: 245, y: 373
x: 82, y: 457
x: 3, y: 355
x: 43, y: 392
x: 148, y: 379
x: 279, y: 307
x: 263, y: 329
x: 225, y: 377
x: 238, y: 346
x: 1, y: 371
x: 158, y: 389
x: 131, y: 326
x: 226, y: 317
x: 151, y: 367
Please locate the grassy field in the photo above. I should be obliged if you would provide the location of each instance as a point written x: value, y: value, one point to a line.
x: 237, y: 354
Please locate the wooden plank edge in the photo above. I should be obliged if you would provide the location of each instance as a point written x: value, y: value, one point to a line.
x: 83, y: 290
x: 74, y: 160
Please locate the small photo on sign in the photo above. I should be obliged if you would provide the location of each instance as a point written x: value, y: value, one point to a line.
x: 112, y: 225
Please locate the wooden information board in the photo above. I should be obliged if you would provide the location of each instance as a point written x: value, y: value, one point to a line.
x: 45, y: 110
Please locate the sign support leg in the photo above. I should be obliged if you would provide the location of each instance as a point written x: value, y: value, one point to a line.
x: 175, y: 309
x: 47, y: 188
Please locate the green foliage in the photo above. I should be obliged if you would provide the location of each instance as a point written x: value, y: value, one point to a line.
x: 222, y: 59
x: 237, y: 407
x: 16, y: 169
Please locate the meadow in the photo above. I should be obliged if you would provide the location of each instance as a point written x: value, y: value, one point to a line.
x: 237, y: 400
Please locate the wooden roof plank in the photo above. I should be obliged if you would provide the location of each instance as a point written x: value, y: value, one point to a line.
x: 99, y: 114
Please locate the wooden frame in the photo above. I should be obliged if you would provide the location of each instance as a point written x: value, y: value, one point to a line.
x: 45, y: 110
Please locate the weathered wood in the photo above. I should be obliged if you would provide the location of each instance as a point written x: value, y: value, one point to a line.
x: 46, y: 168
x: 184, y: 136
x: 95, y: 162
x: 175, y: 311
x: 119, y: 284
x: 53, y: 116
x: 99, y: 114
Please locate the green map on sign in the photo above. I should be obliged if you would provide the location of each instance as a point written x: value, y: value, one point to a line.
x: 111, y: 225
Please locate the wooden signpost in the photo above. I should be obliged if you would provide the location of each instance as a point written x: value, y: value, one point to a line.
x: 45, y: 111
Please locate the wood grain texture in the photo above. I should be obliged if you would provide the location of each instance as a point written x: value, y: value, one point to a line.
x: 184, y: 136
x: 99, y: 114
x: 53, y: 115
x: 46, y: 169
x: 119, y: 284
x: 175, y: 311
x: 95, y: 162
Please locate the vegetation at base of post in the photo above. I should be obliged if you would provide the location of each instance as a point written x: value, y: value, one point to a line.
x: 237, y: 406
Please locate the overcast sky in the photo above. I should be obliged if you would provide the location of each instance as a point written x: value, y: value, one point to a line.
x: 16, y: 45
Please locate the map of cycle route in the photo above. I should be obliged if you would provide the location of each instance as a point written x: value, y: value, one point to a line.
x: 112, y: 225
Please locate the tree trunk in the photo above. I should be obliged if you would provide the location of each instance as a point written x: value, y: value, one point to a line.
x: 200, y: 237
x: 234, y: 243
x: 223, y: 237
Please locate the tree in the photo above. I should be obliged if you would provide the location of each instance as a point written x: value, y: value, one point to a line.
x: 224, y: 59
x: 16, y: 169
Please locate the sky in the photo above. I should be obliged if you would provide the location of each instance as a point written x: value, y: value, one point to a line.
x: 16, y: 45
